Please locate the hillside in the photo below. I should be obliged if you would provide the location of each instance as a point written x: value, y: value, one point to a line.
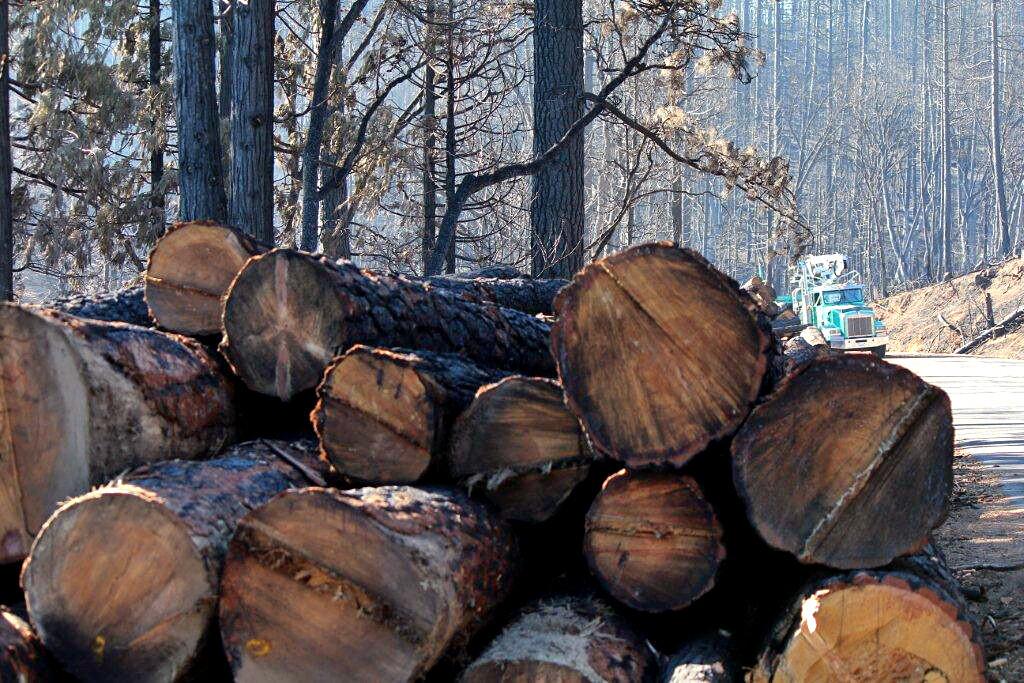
x: 915, y: 325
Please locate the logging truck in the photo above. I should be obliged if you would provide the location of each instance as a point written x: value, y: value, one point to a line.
x: 830, y: 297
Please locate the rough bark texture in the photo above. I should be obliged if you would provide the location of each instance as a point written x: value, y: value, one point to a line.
x: 848, y: 463
x: 200, y: 170
x: 252, y: 129
x: 556, y: 206
x: 82, y: 400
x: 125, y: 306
x: 523, y: 294
x: 565, y: 640
x: 907, y: 622
x: 383, y: 416
x: 190, y: 269
x: 520, y: 447
x: 23, y: 659
x: 288, y: 314
x: 653, y: 541
x: 705, y: 659
x: 122, y: 582
x: 297, y: 603
x: 658, y: 352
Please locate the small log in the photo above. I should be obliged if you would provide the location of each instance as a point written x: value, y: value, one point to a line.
x: 125, y: 306
x: 383, y: 416
x: 22, y: 656
x: 521, y: 447
x: 653, y: 541
x: 190, y: 269
x: 849, y: 462
x: 288, y: 314
x: 122, y: 582
x: 522, y: 294
x: 367, y: 585
x: 907, y: 622
x: 84, y: 400
x: 705, y: 659
x: 658, y: 352
x: 565, y: 639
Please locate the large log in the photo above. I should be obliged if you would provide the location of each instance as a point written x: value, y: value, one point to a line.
x: 705, y: 659
x: 288, y: 314
x: 565, y: 640
x: 368, y: 585
x: 848, y: 463
x: 658, y: 352
x: 23, y: 659
x: 190, y: 269
x: 383, y: 416
x: 122, y: 582
x: 653, y: 541
x: 84, y: 400
x: 124, y: 306
x: 520, y: 446
x: 907, y: 622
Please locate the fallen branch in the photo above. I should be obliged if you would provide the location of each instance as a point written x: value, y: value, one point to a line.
x: 997, y: 330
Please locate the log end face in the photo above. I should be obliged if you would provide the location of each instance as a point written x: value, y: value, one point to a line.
x: 117, y: 589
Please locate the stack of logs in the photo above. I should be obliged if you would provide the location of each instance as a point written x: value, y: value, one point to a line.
x: 621, y: 478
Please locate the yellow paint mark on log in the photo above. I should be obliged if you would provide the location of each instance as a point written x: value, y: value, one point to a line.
x: 258, y: 647
x: 99, y: 644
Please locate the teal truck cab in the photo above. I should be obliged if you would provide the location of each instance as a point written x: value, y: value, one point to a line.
x: 828, y: 296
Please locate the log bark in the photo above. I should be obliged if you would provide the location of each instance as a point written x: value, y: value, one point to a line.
x: 907, y: 622
x: 22, y: 656
x: 705, y: 659
x: 125, y: 306
x: 383, y: 416
x: 297, y: 603
x: 565, y: 639
x: 190, y: 269
x: 520, y: 446
x: 653, y: 541
x: 522, y: 294
x: 288, y: 314
x: 82, y: 400
x: 659, y: 354
x: 848, y: 463
x: 122, y: 582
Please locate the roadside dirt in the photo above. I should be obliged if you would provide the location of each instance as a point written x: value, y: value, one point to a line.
x: 913, y: 317
x: 995, y: 597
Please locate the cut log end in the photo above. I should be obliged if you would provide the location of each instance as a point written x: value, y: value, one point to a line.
x: 659, y: 354
x: 297, y: 602
x: 864, y: 450
x: 118, y: 589
x: 520, y: 446
x: 653, y: 541
x: 190, y: 269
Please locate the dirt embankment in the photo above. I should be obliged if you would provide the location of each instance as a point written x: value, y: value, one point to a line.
x: 941, y: 318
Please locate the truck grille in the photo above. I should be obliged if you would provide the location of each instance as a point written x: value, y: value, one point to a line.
x: 860, y: 326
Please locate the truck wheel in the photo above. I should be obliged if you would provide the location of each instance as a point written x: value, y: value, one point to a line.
x: 879, y: 351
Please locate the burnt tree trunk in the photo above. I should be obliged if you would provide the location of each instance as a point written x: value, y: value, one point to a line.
x: 523, y: 294
x: 125, y: 306
x: 520, y: 447
x: 288, y: 314
x: 190, y: 269
x: 658, y: 353
x: 122, y: 582
x: 848, y: 463
x: 297, y: 603
x: 383, y: 416
x: 653, y: 541
x: 83, y: 400
x: 565, y: 639
x: 200, y: 169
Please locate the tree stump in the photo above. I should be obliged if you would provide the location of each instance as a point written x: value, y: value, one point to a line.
x: 520, y: 446
x: 288, y: 314
x: 906, y: 622
x: 659, y: 354
x: 122, y: 582
x: 190, y: 269
x: 848, y: 463
x: 367, y: 585
x: 565, y: 640
x: 653, y: 541
x: 84, y: 400
x: 383, y: 416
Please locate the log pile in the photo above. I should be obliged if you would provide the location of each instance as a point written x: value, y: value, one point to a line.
x: 631, y: 480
